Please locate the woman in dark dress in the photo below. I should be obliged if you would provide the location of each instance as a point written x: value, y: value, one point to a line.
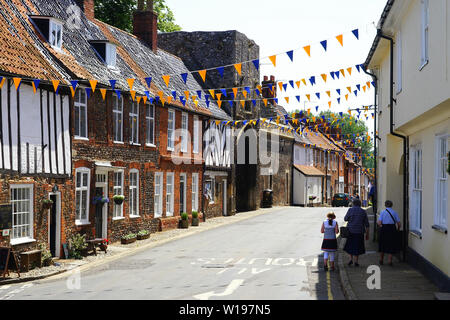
x: 389, y: 223
x: 357, y: 225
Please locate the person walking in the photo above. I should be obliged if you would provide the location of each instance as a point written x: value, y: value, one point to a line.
x: 329, y: 244
x: 357, y: 225
x: 389, y: 223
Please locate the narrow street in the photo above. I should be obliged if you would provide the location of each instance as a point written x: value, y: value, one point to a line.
x: 271, y: 256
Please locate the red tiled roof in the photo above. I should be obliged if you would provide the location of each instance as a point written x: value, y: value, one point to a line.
x: 308, y: 170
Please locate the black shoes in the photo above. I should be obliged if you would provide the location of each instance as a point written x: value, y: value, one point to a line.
x: 350, y: 263
x: 356, y: 264
x: 325, y: 268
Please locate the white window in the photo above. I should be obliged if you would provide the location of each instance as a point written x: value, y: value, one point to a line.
x: 82, y: 182
x: 158, y: 194
x: 111, y: 55
x: 209, y: 189
x: 425, y: 32
x: 169, y: 194
x: 171, y: 130
x: 22, y: 213
x: 416, y: 189
x: 184, y: 128
x: 150, y: 119
x: 80, y: 105
x: 398, y: 44
x: 55, y: 35
x: 196, y: 134
x: 134, y: 193
x: 118, y: 190
x: 440, y: 218
x: 134, y: 123
x: 195, y: 192
x: 118, y: 118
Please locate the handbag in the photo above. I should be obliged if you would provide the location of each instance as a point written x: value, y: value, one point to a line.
x: 344, y: 232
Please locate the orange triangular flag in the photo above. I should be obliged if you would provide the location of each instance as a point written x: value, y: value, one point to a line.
x: 219, y: 103
x: 144, y: 98
x: 169, y: 99
x: 238, y: 67
x: 32, y: 83
x: 309, y: 111
x: 211, y: 92
x: 54, y: 82
x: 346, y: 97
x: 280, y: 84
x: 343, y: 72
x: 340, y: 38
x: 349, y: 89
x: 304, y: 81
x: 202, y: 74
x: 163, y: 101
x: 287, y: 99
x: 308, y: 50
x: 274, y: 60
x: 195, y: 102
x: 242, y: 103
x: 235, y: 92
x: 368, y: 84
x: 166, y: 79
x: 329, y: 104
x: 349, y: 70
x: 2, y: 82
x: 364, y: 88
x: 350, y: 112
x: 218, y: 96
x: 130, y: 83
x: 265, y: 102
x: 328, y: 93
x: 309, y: 97
x: 138, y: 99
x: 245, y: 94
x: 324, y: 77
x: 103, y: 92
x: 93, y: 84
x: 133, y: 94
x: 186, y: 94
x: 298, y: 84
x: 72, y: 91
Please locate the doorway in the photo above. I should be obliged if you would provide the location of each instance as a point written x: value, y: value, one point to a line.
x: 101, y: 210
x: 54, y: 225
x: 225, y: 209
x: 182, y: 193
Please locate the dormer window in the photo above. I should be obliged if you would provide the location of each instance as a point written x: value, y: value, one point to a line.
x: 106, y: 51
x: 51, y: 28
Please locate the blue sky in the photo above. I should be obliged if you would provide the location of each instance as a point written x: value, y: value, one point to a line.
x: 282, y: 25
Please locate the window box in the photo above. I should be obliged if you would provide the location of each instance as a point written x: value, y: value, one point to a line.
x: 439, y: 229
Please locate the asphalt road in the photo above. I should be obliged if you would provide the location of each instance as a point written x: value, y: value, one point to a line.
x: 274, y: 256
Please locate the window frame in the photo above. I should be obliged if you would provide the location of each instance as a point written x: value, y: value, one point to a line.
x: 150, y: 121
x: 30, y: 224
x: 425, y: 36
x: 441, y: 220
x: 136, y: 188
x: 196, y: 129
x: 185, y: 129
x: 78, y: 105
x: 116, y: 101
x: 171, y: 212
x: 52, y: 25
x: 398, y: 46
x: 82, y: 170
x: 111, y: 55
x: 133, y: 140
x: 194, y: 191
x: 158, y: 214
x: 416, y: 188
x: 171, y: 129
x: 118, y: 208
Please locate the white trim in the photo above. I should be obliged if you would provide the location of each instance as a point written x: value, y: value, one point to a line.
x: 83, y: 170
x: 415, y: 214
x: 150, y: 118
x: 194, y: 191
x: 184, y: 175
x: 52, y: 24
x: 58, y: 223
x: 440, y: 221
x: 171, y: 129
x: 118, y: 112
x: 196, y: 129
x: 136, y: 187
x: 160, y: 194
x: 15, y: 242
x: 115, y: 216
x: 171, y: 204
x: 80, y: 104
x: 134, y: 123
x: 184, y: 142
x: 30, y: 224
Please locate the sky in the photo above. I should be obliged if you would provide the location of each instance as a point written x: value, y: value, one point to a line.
x: 283, y: 25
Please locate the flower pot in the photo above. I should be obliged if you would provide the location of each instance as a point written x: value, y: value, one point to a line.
x: 184, y: 224
x: 143, y: 237
x: 195, y: 222
x: 47, y: 205
x: 118, y: 201
x: 127, y: 241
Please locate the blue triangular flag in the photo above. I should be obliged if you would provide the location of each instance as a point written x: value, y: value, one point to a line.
x: 199, y: 93
x: 318, y: 95
x: 256, y: 64
x: 207, y: 103
x: 356, y: 33
x: 232, y: 96
x: 276, y: 100
x: 207, y: 97
x: 285, y: 86
x: 338, y: 91
x: 324, y: 44
x: 220, y: 70
x: 231, y: 103
x: 312, y: 80
x: 291, y: 82
x: 174, y: 95
x: 147, y: 94
x: 149, y: 81
x: 157, y: 100
x: 88, y: 92
x: 111, y: 82
x: 337, y: 74
x: 332, y: 74
x: 298, y: 98
x: 341, y: 114
x: 224, y: 92
x: 151, y: 100
x: 75, y: 83
x: 254, y: 103
x: 356, y: 92
x: 257, y: 92
x: 373, y: 83
x: 248, y: 90
x: 359, y: 87
x: 36, y: 82
x: 358, y: 68
x: 317, y: 108
x: 339, y: 100
x: 290, y: 55
x: 184, y: 77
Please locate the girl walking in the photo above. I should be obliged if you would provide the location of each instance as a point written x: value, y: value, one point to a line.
x: 329, y: 245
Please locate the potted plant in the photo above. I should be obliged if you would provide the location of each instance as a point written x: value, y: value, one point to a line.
x: 143, y: 234
x: 78, y: 246
x: 312, y: 198
x: 184, y: 220
x: 118, y: 199
x: 100, y: 200
x: 47, y: 203
x: 129, y: 238
x: 195, y: 220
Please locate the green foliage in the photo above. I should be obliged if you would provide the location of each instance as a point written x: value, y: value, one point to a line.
x: 194, y: 214
x: 184, y: 216
x: 77, y: 244
x: 143, y: 233
x: 129, y: 236
x: 118, y: 197
x: 119, y: 13
x: 46, y: 257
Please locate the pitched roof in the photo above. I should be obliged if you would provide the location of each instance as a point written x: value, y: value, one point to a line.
x: 309, y: 170
x: 317, y: 138
x: 134, y: 58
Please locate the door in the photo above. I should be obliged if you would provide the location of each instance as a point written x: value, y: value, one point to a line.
x: 53, y: 225
x: 225, y: 197
x: 182, y: 193
x: 99, y: 214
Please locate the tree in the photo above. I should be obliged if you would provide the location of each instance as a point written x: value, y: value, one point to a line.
x: 119, y: 13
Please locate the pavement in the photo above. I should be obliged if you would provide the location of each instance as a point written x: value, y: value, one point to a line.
x: 397, y: 282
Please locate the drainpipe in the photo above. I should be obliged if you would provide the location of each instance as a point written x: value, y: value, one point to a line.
x: 405, y: 144
x: 375, y: 165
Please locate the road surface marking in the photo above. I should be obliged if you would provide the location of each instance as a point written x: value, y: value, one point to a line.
x: 229, y: 290
x: 5, y: 287
x: 315, y: 262
x: 330, y: 295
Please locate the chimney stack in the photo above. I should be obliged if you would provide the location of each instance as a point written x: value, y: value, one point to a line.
x: 145, y: 24
x: 87, y: 6
x: 266, y: 92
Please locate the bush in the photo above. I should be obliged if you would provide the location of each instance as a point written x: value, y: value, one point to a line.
x: 194, y: 214
x: 143, y: 233
x: 129, y: 236
x: 76, y: 246
x: 46, y: 258
x: 184, y: 216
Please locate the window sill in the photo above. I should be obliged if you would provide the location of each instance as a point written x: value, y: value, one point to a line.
x: 134, y: 217
x: 423, y: 65
x: 416, y: 234
x: 150, y: 145
x: 81, y: 138
x: 118, y: 218
x: 14, y: 242
x: 80, y: 223
x: 170, y: 149
x: 135, y: 144
x: 119, y: 142
x: 439, y: 229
